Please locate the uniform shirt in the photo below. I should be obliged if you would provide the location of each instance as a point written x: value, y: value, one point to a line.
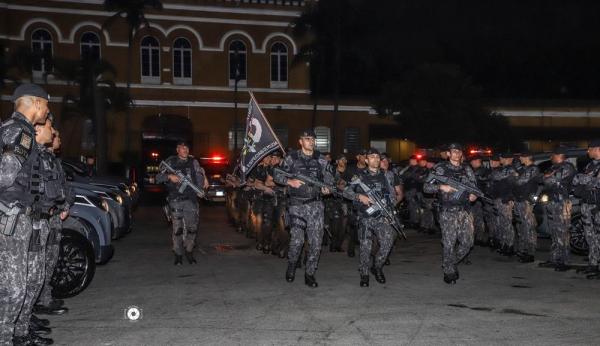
x: 188, y: 167
x: 587, y: 183
x: 374, y: 180
x: 462, y: 173
x: 315, y: 166
x: 527, y: 182
x: 504, y: 179
x: 558, y: 179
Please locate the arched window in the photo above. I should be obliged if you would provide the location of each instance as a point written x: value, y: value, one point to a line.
x: 90, y: 46
x: 237, y: 63
x: 182, y: 61
x: 41, y: 47
x: 279, y: 66
x: 150, y: 60
x: 322, y: 142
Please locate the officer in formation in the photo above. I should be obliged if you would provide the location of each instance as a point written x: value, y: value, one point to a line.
x: 456, y: 220
x: 504, y: 179
x: 337, y: 209
x: 372, y: 224
x: 352, y: 215
x: 280, y: 239
x: 263, y: 203
x: 526, y: 186
x: 427, y: 200
x: 411, y: 185
x: 587, y: 188
x: 305, y: 205
x: 481, y: 175
x: 33, y: 193
x: 183, y: 205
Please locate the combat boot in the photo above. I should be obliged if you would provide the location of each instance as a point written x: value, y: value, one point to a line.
x: 39, y: 330
x: 364, y: 281
x: 39, y: 321
x: 310, y: 281
x: 51, y: 309
x: 290, y: 274
x: 39, y: 340
x: 450, y: 279
x: 378, y: 273
x: 190, y: 257
x: 178, y: 260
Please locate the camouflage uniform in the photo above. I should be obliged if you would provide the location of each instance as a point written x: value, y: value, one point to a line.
x: 478, y: 207
x: 526, y: 186
x: 456, y: 221
x: 374, y: 224
x: 504, y: 179
x: 184, y: 205
x: 20, y: 154
x: 587, y: 189
x: 305, y: 207
x: 411, y: 194
x: 427, y: 222
x: 557, y: 184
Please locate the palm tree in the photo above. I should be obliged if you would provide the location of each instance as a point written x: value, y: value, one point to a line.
x: 133, y: 12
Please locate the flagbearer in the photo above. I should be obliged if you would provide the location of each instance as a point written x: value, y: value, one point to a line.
x: 183, y: 204
x: 305, y: 206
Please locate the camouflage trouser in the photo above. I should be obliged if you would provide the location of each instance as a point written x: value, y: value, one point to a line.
x: 185, y: 216
x: 414, y: 206
x: 384, y: 233
x: 479, y: 222
x: 526, y: 225
x: 559, y: 221
x: 281, y: 238
x: 504, y: 222
x: 265, y: 210
x: 427, y: 217
x: 457, y: 237
x: 352, y: 222
x: 591, y: 225
x: 306, y: 220
x: 36, y: 272
x: 489, y: 215
x: 13, y: 276
x: 52, y: 252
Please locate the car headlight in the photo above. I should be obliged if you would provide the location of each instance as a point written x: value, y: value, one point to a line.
x: 104, y: 205
x: 544, y: 198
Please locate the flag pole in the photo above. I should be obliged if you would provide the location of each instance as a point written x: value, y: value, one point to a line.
x: 267, y: 121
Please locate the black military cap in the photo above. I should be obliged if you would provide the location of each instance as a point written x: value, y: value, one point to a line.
x: 594, y: 143
x: 341, y: 157
x: 372, y: 151
x: 277, y: 153
x: 362, y: 152
x: 495, y: 157
x: 506, y: 155
x: 474, y: 157
x: 560, y: 150
x: 455, y: 146
x: 183, y: 142
x: 385, y: 156
x: 29, y: 89
x: 526, y: 153
x: 308, y: 133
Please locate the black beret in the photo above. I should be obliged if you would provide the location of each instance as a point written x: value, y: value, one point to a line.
x: 308, y: 133
x: 362, y: 152
x: 594, y: 143
x: 385, y: 156
x: 29, y: 89
x: 560, y: 150
x: 183, y: 142
x: 373, y: 151
x: 455, y: 146
x: 526, y: 153
x: 341, y: 156
x: 475, y: 157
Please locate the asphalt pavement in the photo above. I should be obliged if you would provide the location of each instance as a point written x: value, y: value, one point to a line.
x: 238, y: 296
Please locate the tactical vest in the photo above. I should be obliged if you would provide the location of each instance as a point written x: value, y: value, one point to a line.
x: 526, y: 191
x: 186, y: 167
x: 54, y: 192
x: 505, y: 185
x: 449, y: 200
x: 309, y: 166
x: 561, y: 191
x: 376, y: 182
x: 589, y: 194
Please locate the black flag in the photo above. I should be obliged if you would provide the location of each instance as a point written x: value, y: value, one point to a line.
x: 259, y: 141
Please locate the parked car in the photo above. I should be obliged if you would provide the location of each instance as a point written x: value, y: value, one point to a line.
x: 215, y: 168
x: 86, y: 240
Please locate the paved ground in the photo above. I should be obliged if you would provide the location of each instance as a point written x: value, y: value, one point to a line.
x: 236, y: 296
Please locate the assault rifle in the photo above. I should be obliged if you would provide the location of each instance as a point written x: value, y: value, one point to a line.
x: 184, y: 180
x: 308, y: 180
x: 458, y: 186
x: 379, y: 204
x: 8, y: 217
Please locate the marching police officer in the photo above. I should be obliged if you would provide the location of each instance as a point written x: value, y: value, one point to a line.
x: 525, y: 188
x: 481, y: 175
x: 504, y: 181
x: 281, y: 238
x: 372, y: 224
x: 352, y: 223
x: 456, y: 221
x: 557, y: 185
x: 411, y: 190
x: 19, y: 154
x: 183, y: 205
x: 587, y: 187
x: 489, y: 209
x: 305, y: 206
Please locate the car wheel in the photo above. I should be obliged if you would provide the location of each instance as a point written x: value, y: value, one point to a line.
x: 579, y: 245
x: 76, y: 265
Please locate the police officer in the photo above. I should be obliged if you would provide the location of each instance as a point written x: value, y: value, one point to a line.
x: 489, y: 209
x: 44, y: 191
x: 281, y: 238
x: 341, y: 208
x: 587, y: 188
x: 481, y: 175
x: 427, y: 222
x: 262, y: 204
x: 305, y: 206
x: 526, y: 187
x: 184, y: 205
x: 19, y: 154
x: 411, y: 190
x: 352, y: 225
x: 372, y: 224
x: 456, y: 221
x: 504, y: 181
x: 557, y: 182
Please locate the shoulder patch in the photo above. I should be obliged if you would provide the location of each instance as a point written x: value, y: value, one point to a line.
x: 25, y: 141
